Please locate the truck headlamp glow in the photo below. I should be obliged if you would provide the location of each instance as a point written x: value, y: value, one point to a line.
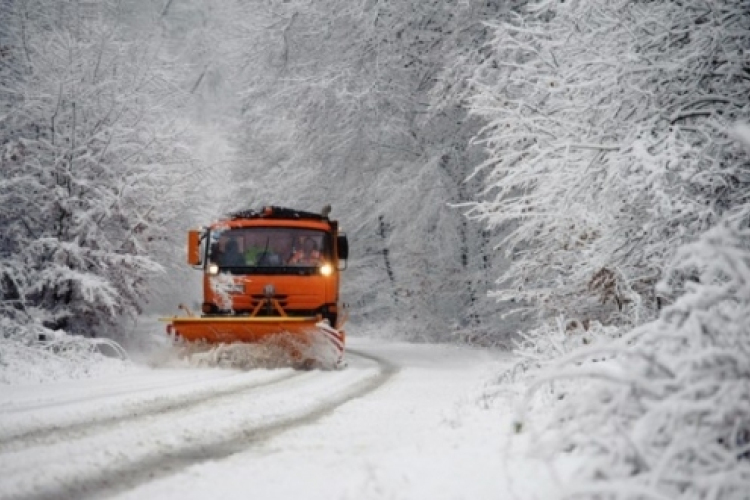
x: 213, y: 269
x: 326, y: 269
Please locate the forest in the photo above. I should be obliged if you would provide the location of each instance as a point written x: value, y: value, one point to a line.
x: 566, y: 179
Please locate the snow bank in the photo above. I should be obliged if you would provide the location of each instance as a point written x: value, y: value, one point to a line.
x: 59, y: 358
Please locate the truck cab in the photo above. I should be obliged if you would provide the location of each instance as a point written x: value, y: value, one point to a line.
x: 275, y: 262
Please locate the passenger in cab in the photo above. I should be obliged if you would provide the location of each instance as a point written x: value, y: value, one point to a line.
x: 231, y: 257
x: 308, y: 255
x: 256, y: 249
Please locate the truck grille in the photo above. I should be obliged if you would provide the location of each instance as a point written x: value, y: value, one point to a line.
x: 260, y: 298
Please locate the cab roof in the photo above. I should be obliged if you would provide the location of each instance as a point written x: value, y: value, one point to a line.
x: 272, y: 216
x: 273, y: 212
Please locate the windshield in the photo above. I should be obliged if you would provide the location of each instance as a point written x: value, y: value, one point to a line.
x: 252, y: 248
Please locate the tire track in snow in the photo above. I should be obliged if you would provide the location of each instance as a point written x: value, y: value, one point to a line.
x: 125, y: 388
x: 111, y: 479
x: 46, y: 433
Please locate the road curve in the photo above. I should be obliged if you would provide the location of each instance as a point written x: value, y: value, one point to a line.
x: 96, y: 447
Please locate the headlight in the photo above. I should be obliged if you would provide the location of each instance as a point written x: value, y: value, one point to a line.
x: 213, y: 269
x: 326, y: 270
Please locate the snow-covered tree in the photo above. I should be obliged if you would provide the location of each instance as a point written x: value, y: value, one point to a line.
x: 606, y: 143
x: 661, y: 411
x: 90, y: 164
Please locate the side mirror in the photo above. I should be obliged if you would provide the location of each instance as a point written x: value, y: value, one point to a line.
x: 194, y: 247
x: 342, y: 243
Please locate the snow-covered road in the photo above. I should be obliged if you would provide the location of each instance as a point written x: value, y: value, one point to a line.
x: 402, y: 421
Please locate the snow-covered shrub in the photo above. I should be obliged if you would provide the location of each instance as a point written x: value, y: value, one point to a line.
x: 541, y: 347
x: 606, y: 136
x: 667, y: 413
x: 25, y: 359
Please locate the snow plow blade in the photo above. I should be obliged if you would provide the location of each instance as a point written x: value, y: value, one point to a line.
x: 306, y: 341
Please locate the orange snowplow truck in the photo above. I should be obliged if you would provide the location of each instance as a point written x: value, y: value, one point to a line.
x: 269, y: 276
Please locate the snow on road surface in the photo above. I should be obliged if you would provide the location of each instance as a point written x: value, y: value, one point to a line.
x: 402, y: 421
